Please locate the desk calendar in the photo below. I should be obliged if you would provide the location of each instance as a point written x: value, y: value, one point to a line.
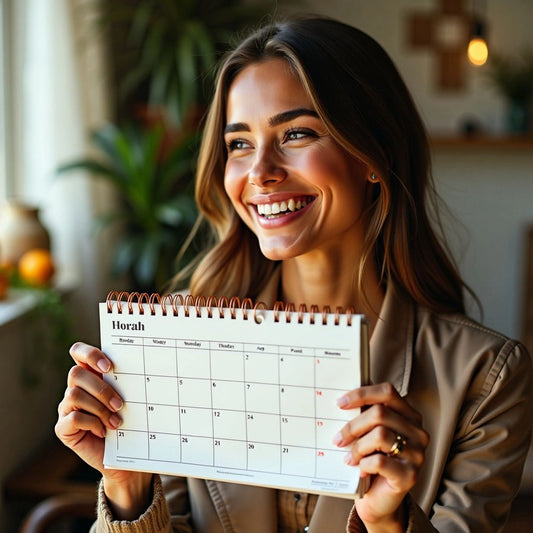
x: 233, y: 393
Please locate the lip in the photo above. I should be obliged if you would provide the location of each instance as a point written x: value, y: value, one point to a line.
x: 279, y: 197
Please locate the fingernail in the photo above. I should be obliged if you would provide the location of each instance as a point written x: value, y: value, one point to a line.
x: 348, y: 458
x: 342, y: 401
x: 115, y: 421
x: 116, y: 403
x: 103, y: 365
x: 337, y: 439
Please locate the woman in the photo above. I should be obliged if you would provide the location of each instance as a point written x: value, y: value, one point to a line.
x: 314, y: 176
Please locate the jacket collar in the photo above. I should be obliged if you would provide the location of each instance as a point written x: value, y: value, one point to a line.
x: 391, y: 344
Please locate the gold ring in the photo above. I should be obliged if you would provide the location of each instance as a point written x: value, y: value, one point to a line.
x: 398, y: 446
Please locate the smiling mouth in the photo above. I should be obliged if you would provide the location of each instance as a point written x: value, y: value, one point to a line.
x: 280, y: 209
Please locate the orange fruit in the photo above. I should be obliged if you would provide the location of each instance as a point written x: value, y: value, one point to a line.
x: 36, y: 267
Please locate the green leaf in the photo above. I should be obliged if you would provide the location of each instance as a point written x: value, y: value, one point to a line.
x: 186, y: 72
x: 160, y: 81
x: 102, y: 221
x: 106, y: 139
x: 178, y: 211
x: 140, y: 22
x: 125, y: 255
x: 87, y: 165
x: 180, y: 164
x: 146, y: 264
x: 153, y: 48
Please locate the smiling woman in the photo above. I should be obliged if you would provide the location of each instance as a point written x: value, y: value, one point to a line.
x: 281, y: 152
x: 314, y: 179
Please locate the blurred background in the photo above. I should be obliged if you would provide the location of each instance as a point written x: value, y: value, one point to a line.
x: 101, y: 104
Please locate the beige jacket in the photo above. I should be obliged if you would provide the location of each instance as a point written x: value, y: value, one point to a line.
x: 473, y: 387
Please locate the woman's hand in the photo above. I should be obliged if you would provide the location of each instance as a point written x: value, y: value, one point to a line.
x: 389, y: 443
x: 89, y: 407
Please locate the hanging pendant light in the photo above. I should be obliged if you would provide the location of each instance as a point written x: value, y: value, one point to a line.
x: 478, y: 51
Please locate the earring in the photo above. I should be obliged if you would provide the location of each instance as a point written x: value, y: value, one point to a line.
x: 373, y: 177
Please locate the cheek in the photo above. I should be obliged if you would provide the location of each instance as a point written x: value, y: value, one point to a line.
x: 231, y: 182
x: 322, y: 167
x: 234, y: 186
x: 342, y: 175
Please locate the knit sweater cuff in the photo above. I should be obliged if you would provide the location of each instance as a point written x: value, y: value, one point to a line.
x: 155, y: 519
x: 356, y: 525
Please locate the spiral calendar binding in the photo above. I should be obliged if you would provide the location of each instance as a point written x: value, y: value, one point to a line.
x: 184, y: 305
x: 214, y: 388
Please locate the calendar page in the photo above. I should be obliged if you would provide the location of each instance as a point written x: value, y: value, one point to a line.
x: 234, y: 395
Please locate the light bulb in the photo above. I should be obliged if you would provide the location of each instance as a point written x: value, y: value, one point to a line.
x: 478, y: 51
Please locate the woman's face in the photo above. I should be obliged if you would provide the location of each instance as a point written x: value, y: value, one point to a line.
x: 286, y: 176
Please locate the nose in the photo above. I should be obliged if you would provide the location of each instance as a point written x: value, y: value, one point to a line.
x: 266, y: 169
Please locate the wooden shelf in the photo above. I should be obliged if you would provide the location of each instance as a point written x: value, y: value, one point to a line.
x: 482, y: 141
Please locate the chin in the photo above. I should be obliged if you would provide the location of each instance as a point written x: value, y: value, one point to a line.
x: 278, y: 254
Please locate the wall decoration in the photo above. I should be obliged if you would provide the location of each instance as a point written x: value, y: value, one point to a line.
x: 445, y: 31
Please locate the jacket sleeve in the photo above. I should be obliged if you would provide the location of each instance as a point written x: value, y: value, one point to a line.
x: 483, y: 472
x: 157, y: 518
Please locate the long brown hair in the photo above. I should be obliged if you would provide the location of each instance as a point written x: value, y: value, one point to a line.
x: 359, y: 94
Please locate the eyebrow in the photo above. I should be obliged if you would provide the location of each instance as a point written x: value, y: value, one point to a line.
x: 276, y: 120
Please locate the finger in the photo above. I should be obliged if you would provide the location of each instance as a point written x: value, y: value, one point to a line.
x: 382, y: 440
x: 72, y: 428
x: 95, y: 386
x: 90, y: 357
x: 382, y: 393
x: 400, y: 476
x: 380, y: 416
x: 76, y: 399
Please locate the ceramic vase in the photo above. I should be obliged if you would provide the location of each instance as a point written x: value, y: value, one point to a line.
x: 20, y: 230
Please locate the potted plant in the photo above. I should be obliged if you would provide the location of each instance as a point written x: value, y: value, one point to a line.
x: 157, y: 209
x: 513, y: 78
x: 166, y: 50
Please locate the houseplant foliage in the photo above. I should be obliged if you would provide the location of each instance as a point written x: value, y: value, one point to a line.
x: 164, y: 54
x: 155, y: 185
x: 173, y: 46
x: 513, y: 78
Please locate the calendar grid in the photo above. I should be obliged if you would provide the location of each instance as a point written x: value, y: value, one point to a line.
x: 245, y: 405
x: 249, y: 414
x: 216, y: 404
x: 213, y: 413
x: 178, y: 396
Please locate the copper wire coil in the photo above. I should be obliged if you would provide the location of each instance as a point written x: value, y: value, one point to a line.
x: 195, y: 304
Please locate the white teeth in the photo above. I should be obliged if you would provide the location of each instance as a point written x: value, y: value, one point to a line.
x: 275, y: 208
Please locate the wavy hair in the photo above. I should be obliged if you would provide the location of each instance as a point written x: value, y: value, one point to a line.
x: 360, y: 96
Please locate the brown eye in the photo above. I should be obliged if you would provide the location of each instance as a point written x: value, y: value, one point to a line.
x: 237, y: 144
x: 298, y: 134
